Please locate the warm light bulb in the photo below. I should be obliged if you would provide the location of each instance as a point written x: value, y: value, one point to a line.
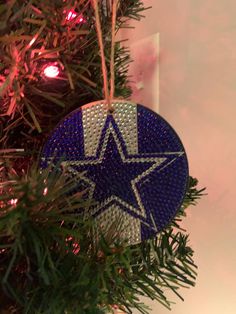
x: 81, y: 19
x: 13, y: 201
x: 71, y: 15
x: 51, y: 71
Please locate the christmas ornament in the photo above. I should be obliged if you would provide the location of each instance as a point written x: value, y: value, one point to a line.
x: 131, y: 164
x: 128, y: 160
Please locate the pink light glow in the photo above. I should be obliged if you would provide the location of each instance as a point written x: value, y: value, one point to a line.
x: 51, y: 71
x: 71, y: 15
x: 81, y: 19
x: 13, y: 201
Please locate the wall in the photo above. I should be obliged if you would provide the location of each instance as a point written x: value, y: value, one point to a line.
x: 198, y: 97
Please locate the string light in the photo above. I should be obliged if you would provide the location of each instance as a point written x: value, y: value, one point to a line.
x: 71, y: 15
x: 13, y: 201
x: 51, y: 71
x: 81, y: 19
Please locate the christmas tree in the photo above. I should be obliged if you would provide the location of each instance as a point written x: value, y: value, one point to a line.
x: 53, y: 259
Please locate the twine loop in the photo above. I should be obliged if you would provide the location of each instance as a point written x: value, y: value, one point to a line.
x: 108, y: 90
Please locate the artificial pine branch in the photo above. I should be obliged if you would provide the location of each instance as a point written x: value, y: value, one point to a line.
x: 51, y: 259
x: 35, y: 33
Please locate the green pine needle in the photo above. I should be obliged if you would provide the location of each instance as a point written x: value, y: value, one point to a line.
x: 52, y: 261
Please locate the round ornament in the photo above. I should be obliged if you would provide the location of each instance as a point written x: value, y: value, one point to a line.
x: 131, y: 164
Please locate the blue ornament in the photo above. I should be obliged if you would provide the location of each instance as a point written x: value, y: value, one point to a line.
x: 131, y: 163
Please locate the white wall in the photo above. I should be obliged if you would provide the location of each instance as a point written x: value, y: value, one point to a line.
x: 198, y: 97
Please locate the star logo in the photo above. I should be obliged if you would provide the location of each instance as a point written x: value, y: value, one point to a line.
x: 115, y: 177
x: 131, y: 166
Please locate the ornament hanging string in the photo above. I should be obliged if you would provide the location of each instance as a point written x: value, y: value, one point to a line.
x: 109, y: 94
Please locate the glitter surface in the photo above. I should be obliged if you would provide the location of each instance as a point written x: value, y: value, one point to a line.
x: 131, y: 163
